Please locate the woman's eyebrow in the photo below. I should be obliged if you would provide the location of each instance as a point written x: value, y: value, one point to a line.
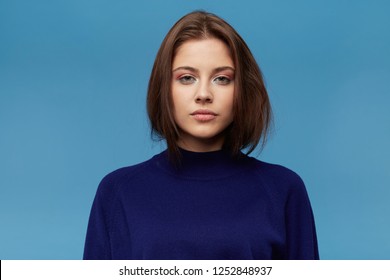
x: 188, y: 68
x: 215, y: 70
x: 223, y: 68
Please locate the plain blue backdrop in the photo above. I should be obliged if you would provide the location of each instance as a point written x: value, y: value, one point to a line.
x: 73, y: 80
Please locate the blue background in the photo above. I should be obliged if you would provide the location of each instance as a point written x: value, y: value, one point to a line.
x: 73, y: 80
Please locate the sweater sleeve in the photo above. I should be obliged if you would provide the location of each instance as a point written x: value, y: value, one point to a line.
x: 300, y: 225
x: 97, y: 243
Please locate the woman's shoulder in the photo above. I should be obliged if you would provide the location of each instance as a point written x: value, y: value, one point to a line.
x: 280, y: 182
x: 115, y: 179
x: 276, y: 173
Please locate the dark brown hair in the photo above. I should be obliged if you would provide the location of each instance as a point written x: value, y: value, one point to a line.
x: 252, y: 109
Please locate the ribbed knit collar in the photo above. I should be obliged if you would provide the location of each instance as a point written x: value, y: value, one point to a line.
x: 202, y: 165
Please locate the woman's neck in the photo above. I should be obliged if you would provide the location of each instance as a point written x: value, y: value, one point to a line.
x: 201, y: 145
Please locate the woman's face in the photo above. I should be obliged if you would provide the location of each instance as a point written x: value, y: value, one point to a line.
x: 202, y: 93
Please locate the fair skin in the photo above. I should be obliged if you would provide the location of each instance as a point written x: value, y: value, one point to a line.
x: 202, y: 92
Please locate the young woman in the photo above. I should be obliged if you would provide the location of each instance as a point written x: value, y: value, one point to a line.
x: 203, y: 198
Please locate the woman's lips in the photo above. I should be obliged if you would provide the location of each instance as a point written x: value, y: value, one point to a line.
x: 204, y: 115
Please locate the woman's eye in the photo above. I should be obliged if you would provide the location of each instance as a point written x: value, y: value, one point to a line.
x: 186, y: 80
x: 222, y: 80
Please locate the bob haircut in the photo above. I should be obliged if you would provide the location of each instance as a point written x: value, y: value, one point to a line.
x: 251, y: 105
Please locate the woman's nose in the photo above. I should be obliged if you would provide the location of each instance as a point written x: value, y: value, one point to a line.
x: 203, y: 94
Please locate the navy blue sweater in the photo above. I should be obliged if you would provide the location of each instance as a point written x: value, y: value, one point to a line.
x: 212, y: 207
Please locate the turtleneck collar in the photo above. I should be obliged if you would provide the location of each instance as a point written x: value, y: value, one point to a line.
x: 202, y: 165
